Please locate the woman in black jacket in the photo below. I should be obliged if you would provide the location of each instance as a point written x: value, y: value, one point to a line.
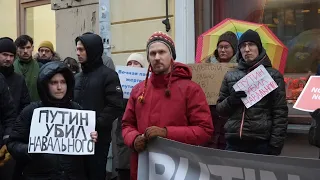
x: 55, y: 86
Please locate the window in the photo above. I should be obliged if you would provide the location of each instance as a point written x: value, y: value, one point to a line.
x: 41, y: 24
x: 295, y: 22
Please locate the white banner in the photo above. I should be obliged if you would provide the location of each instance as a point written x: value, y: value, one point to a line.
x: 129, y: 77
x: 257, y: 84
x: 62, y: 131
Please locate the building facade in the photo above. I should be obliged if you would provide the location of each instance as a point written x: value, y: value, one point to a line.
x: 294, y: 22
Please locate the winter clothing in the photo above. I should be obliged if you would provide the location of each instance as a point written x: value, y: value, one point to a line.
x: 30, y: 70
x: 7, y: 45
x: 46, y: 166
x: 7, y: 111
x: 188, y: 119
x: 314, y: 132
x: 264, y: 121
x: 214, y: 59
x: 163, y: 38
x: 46, y: 44
x: 41, y: 62
x: 123, y: 151
x: 139, y: 58
x: 98, y: 88
x: 18, y: 88
x: 231, y: 38
x: 107, y: 61
x: 235, y: 98
x: 251, y: 36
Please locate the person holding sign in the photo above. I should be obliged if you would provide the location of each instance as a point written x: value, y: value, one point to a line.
x: 168, y: 104
x: 225, y: 53
x: 261, y: 128
x: 55, y: 86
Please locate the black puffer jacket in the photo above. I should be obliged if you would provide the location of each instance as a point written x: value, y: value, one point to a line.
x: 18, y: 88
x: 46, y: 166
x: 7, y: 111
x: 267, y: 119
x: 98, y: 88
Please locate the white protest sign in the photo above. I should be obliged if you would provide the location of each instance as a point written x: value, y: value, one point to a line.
x: 257, y: 84
x: 129, y: 77
x: 62, y: 131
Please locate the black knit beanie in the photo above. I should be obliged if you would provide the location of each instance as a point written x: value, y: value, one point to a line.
x: 7, y: 45
x: 251, y: 36
x: 231, y: 38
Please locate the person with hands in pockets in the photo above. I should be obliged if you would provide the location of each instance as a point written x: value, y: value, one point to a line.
x: 168, y: 104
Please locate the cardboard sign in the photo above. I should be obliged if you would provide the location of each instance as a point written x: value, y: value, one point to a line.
x: 309, y: 99
x: 62, y: 131
x: 209, y: 77
x: 129, y: 77
x: 257, y: 84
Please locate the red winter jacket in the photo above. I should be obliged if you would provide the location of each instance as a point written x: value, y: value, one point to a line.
x: 185, y: 113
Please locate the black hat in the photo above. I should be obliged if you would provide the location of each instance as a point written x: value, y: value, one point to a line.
x: 251, y: 36
x: 231, y: 38
x: 7, y: 45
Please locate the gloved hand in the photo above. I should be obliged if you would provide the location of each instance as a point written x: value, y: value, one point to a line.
x: 4, y: 155
x: 235, y: 97
x: 316, y: 114
x: 274, y: 151
x: 155, y: 131
x: 140, y: 143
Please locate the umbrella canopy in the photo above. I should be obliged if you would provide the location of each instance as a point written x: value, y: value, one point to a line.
x: 276, y: 50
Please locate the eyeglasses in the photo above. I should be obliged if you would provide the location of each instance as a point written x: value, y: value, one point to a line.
x: 44, y: 50
x: 220, y: 47
x: 250, y: 45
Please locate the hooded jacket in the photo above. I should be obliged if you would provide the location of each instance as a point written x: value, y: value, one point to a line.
x: 264, y: 121
x: 7, y: 111
x: 46, y: 166
x: 18, y: 88
x: 185, y: 113
x: 98, y: 87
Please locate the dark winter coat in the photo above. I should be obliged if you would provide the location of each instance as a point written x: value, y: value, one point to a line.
x: 7, y: 111
x: 18, y: 88
x: 123, y: 151
x: 41, y: 62
x: 98, y: 88
x: 264, y: 121
x: 46, y: 166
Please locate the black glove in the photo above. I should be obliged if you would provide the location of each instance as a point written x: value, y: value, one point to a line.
x: 316, y: 114
x: 235, y: 97
x: 274, y: 151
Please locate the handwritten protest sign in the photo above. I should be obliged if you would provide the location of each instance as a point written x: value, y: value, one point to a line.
x: 129, y: 77
x: 257, y: 84
x: 309, y: 99
x: 62, y: 131
x: 210, y: 77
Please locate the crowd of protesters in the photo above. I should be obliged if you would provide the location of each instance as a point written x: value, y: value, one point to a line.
x: 166, y: 104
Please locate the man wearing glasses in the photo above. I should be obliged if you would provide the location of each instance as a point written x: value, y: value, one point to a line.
x: 46, y: 53
x: 262, y: 128
x: 25, y: 65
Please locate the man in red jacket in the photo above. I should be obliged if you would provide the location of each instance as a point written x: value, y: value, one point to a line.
x: 168, y: 104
